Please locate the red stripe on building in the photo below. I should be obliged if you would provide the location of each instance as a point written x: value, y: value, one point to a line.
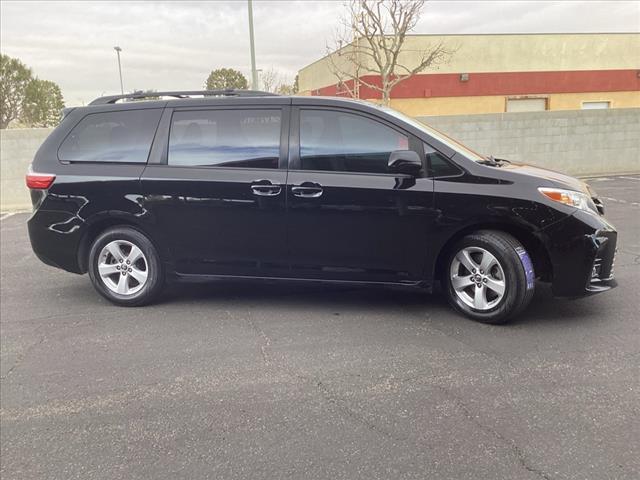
x: 503, y: 83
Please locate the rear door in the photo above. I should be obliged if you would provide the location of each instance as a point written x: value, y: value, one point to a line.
x: 215, y: 188
x: 349, y: 218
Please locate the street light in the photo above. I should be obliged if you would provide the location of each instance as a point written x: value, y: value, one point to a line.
x: 254, y: 72
x: 118, y: 50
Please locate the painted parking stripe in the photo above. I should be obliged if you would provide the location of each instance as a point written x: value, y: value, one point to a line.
x: 6, y: 215
x: 616, y: 200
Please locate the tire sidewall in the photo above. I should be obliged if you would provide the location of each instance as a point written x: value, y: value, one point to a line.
x: 154, y: 266
x: 515, y: 280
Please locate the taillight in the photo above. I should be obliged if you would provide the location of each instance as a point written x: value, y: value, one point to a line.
x: 39, y: 181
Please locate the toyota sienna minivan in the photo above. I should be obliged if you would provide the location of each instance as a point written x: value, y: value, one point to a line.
x: 196, y: 186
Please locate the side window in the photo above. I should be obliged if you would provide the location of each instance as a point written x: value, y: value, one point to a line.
x: 438, y: 165
x: 340, y: 141
x: 225, y: 138
x: 121, y: 136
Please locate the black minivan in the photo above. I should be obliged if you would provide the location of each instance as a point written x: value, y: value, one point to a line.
x: 244, y: 184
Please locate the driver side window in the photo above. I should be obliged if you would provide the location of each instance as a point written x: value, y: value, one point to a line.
x: 332, y: 140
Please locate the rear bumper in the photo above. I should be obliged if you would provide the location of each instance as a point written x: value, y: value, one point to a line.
x: 55, y: 238
x: 582, y: 250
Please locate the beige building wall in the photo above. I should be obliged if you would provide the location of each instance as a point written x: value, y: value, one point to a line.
x: 496, y: 103
x: 507, y: 53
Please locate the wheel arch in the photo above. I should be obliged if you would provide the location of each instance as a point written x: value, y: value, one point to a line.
x: 99, y: 224
x: 531, y: 242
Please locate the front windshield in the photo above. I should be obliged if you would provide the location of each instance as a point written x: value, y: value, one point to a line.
x: 441, y: 137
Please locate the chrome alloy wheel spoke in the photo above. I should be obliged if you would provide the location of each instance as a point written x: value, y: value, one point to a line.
x: 478, y: 279
x: 461, y: 283
x: 123, y: 267
x: 496, y: 285
x: 139, y: 275
x: 480, y: 298
x: 465, y: 259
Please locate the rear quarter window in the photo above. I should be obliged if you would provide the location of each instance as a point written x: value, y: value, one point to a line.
x: 123, y: 137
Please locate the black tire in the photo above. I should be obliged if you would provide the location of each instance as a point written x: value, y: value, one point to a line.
x: 155, y: 275
x: 519, y: 277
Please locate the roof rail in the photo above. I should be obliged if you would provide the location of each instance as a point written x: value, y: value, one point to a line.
x: 110, y: 99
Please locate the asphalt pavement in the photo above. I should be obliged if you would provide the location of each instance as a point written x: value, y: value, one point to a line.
x: 253, y: 381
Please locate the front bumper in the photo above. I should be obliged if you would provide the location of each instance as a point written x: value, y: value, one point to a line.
x: 582, y: 251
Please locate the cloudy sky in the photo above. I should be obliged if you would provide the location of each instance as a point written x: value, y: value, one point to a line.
x: 174, y: 45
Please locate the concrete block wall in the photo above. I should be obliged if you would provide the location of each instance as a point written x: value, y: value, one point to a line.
x: 578, y: 142
x: 17, y: 149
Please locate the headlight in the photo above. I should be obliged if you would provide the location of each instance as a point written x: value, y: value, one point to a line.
x: 570, y: 197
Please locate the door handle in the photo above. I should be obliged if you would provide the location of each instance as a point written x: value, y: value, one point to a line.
x: 307, y: 191
x: 264, y: 188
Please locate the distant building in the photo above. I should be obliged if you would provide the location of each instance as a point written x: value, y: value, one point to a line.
x: 507, y: 72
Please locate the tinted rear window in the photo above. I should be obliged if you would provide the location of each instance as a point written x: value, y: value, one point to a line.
x: 226, y: 138
x: 123, y: 136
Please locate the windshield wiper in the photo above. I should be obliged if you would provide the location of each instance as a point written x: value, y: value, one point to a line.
x: 499, y: 160
x: 492, y: 161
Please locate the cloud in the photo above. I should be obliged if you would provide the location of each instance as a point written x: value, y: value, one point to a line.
x: 174, y: 45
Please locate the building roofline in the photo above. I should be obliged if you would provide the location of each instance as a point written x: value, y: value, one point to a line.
x: 516, y: 33
x: 481, y: 35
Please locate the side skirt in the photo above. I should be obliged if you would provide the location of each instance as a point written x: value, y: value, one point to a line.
x: 197, y: 278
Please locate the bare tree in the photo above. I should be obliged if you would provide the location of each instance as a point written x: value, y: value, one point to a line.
x: 270, y: 79
x: 285, y: 89
x: 275, y: 82
x: 371, y: 42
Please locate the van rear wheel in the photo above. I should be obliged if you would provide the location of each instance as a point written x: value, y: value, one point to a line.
x: 125, y: 268
x: 489, y: 277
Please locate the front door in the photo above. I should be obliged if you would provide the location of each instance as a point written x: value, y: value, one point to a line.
x: 218, y: 196
x: 348, y: 217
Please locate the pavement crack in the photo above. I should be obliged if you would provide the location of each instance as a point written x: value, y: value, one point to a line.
x: 515, y: 449
x: 350, y: 413
x: 54, y: 316
x: 265, y: 341
x: 474, y: 348
x: 320, y: 387
x: 20, y: 358
x: 430, y: 323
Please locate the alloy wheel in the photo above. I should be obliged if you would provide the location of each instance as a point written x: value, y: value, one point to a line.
x: 123, y: 268
x: 477, y: 278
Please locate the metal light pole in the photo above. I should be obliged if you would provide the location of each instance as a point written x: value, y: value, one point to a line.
x: 118, y: 50
x: 254, y: 72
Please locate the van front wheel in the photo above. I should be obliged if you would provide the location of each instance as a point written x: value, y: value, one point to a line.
x: 489, y: 277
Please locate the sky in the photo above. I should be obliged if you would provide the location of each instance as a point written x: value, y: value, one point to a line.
x: 174, y: 45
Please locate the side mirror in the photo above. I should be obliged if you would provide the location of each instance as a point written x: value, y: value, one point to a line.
x: 405, y: 161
